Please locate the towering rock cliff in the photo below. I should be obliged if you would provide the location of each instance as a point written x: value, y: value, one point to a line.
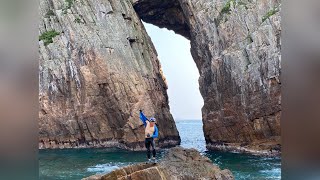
x: 102, y: 67
x: 98, y: 67
x: 236, y: 47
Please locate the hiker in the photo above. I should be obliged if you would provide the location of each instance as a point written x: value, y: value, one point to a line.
x: 151, y: 132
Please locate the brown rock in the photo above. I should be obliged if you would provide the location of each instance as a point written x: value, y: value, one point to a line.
x: 236, y: 47
x: 102, y: 68
x: 178, y: 163
x: 99, y: 70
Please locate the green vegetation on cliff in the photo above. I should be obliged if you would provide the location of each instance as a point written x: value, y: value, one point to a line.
x: 47, y: 36
x: 69, y: 3
x: 226, y: 8
x: 270, y: 13
x: 49, y: 13
x: 78, y: 20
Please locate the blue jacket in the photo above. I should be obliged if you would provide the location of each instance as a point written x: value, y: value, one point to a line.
x: 144, y: 119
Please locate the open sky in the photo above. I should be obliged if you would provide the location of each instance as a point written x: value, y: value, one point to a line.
x: 180, y: 71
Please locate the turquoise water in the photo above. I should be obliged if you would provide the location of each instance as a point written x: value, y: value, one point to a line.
x: 243, y: 166
x: 78, y: 163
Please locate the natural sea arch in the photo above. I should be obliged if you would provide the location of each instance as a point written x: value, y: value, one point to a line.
x: 181, y: 76
x: 239, y: 78
x: 180, y: 72
x: 234, y: 45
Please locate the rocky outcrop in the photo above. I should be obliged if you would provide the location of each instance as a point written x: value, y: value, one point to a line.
x: 236, y: 47
x: 178, y: 163
x: 98, y: 67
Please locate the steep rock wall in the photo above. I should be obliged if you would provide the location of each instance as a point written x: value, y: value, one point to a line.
x: 236, y: 47
x: 98, y: 67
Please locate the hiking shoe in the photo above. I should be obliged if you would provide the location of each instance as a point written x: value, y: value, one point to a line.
x: 149, y: 161
x: 154, y: 160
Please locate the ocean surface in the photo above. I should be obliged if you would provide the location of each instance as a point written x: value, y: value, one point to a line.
x: 78, y: 163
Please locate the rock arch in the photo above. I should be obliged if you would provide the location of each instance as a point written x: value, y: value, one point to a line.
x: 100, y: 67
x: 236, y: 46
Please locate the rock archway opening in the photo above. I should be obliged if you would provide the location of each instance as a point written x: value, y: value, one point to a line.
x: 182, y: 76
x: 167, y: 26
x: 242, y: 99
x: 180, y: 72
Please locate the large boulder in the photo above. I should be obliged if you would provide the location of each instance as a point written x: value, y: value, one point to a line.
x: 178, y: 163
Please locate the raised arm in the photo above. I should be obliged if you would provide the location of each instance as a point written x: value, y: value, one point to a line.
x: 143, y: 118
x: 155, y: 134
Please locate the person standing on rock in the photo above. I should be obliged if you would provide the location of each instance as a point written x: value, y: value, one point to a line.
x: 151, y: 132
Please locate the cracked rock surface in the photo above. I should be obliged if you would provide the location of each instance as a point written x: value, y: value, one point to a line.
x: 98, y: 67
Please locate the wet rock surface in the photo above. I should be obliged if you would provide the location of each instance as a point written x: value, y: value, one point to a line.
x: 236, y: 47
x: 178, y: 163
x: 98, y: 67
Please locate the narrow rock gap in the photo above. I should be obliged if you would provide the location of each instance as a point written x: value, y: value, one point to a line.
x: 181, y: 74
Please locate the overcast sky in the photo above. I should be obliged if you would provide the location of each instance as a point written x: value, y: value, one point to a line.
x: 180, y: 71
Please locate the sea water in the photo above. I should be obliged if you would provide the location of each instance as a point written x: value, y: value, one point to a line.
x: 78, y: 163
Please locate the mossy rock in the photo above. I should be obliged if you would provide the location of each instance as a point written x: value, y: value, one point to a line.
x: 48, y: 36
x: 49, y: 13
x: 270, y: 13
x: 227, y: 7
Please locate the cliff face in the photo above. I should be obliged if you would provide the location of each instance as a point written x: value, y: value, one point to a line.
x: 102, y: 67
x: 236, y: 47
x: 98, y: 67
x: 178, y: 163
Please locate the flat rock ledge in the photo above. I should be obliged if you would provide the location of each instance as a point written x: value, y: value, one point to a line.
x: 178, y: 163
x: 263, y: 149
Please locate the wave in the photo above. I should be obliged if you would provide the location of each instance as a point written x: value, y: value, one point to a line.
x: 105, y: 168
x: 274, y: 173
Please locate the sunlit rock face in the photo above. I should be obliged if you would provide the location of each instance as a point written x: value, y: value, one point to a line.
x: 236, y: 47
x: 97, y: 72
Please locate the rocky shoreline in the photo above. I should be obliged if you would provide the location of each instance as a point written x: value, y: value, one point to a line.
x: 178, y: 163
x: 269, y: 150
x: 272, y: 152
x: 137, y: 146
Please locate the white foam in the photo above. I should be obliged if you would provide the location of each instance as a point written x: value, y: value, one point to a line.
x: 274, y: 173
x: 104, y: 168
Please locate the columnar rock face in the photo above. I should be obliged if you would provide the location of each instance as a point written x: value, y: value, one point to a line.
x: 236, y: 47
x: 178, y: 163
x: 98, y: 67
